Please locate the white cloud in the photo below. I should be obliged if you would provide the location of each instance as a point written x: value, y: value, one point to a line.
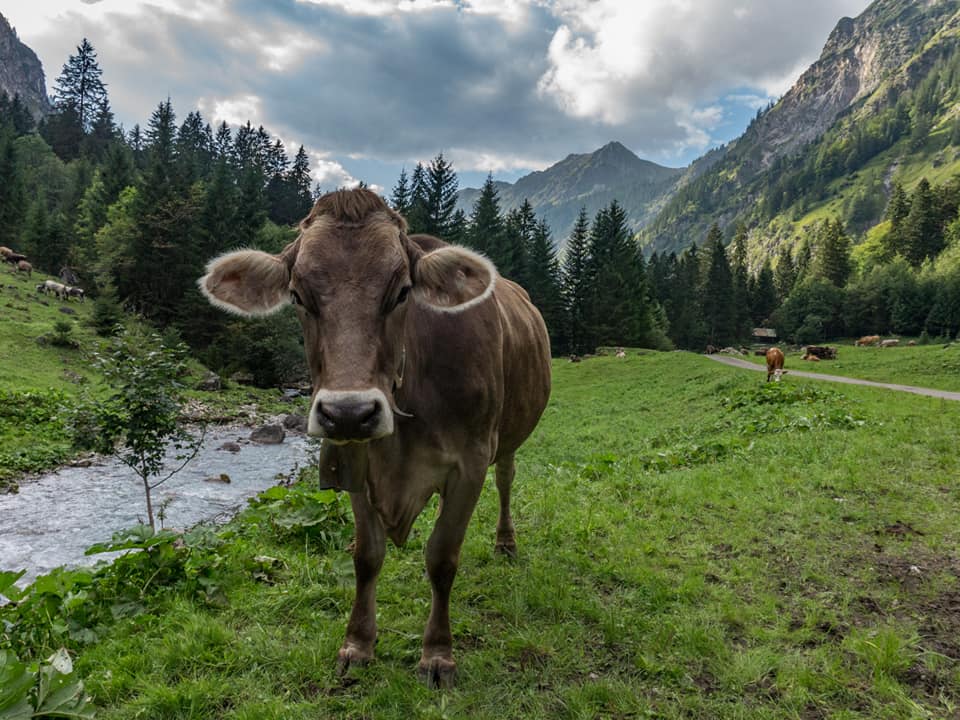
x: 234, y: 111
x: 329, y: 174
x: 382, y: 7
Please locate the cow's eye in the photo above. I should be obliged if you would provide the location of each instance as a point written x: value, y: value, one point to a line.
x: 403, y: 295
x: 295, y: 298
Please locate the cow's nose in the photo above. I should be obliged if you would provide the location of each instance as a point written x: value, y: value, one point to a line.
x: 350, y: 420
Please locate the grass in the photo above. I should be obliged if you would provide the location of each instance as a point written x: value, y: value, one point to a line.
x: 931, y: 366
x: 693, y: 544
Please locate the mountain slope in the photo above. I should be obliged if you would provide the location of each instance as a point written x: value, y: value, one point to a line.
x: 589, y: 180
x: 21, y: 72
x: 860, y: 99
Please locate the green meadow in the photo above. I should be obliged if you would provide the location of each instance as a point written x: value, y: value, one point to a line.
x: 693, y: 543
x: 932, y: 366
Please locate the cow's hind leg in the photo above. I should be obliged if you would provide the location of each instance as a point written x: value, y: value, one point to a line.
x: 506, y: 539
x: 369, y: 551
x: 437, y: 667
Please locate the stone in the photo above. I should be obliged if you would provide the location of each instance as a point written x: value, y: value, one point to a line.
x: 210, y: 383
x: 268, y: 435
x: 67, y: 310
x: 221, y: 478
x: 242, y: 378
x: 230, y: 447
x: 295, y: 423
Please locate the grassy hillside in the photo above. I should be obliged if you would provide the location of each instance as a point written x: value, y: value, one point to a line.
x: 693, y: 543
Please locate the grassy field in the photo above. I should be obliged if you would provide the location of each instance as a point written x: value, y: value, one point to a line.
x: 693, y: 544
x: 932, y: 366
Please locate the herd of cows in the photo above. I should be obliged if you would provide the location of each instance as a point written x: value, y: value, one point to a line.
x: 61, y: 291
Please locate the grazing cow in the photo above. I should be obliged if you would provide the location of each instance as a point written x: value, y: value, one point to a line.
x: 49, y: 287
x: 775, y: 364
x: 14, y: 258
x: 75, y: 292
x: 24, y: 266
x: 427, y: 368
x: 868, y: 340
x: 5, y: 251
x: 892, y: 342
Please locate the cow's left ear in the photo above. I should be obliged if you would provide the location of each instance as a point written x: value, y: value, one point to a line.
x: 247, y: 282
x: 452, y: 279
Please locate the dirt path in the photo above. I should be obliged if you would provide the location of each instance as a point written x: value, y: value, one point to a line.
x: 944, y: 394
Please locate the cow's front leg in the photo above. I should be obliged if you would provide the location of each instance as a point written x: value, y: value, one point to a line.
x: 369, y: 550
x: 437, y: 667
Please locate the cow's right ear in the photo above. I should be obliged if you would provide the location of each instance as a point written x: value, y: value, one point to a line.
x: 247, y: 282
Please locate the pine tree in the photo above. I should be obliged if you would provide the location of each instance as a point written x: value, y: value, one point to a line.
x: 687, y: 326
x: 485, y: 232
x: 417, y: 213
x: 763, y: 294
x: 577, y: 288
x: 299, y: 181
x: 785, y: 275
x: 543, y: 281
x: 513, y: 251
x: 897, y: 210
x: 80, y: 87
x: 922, y: 229
x: 741, y: 277
x: 441, y: 198
x: 400, y: 197
x: 833, y: 261
x: 11, y: 190
x: 717, y: 299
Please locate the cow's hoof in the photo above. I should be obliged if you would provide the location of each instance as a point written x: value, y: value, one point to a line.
x: 351, y: 656
x: 438, y: 673
x: 506, y: 547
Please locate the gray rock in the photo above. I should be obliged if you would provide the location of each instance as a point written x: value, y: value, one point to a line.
x: 268, y: 435
x: 67, y: 310
x: 230, y: 447
x: 221, y: 478
x: 295, y: 423
x: 210, y: 382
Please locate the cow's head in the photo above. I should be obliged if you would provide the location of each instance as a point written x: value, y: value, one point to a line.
x: 351, y: 274
x: 779, y: 373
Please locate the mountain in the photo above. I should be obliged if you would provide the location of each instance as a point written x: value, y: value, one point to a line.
x: 877, y: 106
x: 588, y: 180
x: 21, y: 72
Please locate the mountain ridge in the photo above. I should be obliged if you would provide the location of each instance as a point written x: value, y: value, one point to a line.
x: 21, y: 72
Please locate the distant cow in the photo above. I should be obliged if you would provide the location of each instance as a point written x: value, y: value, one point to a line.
x: 427, y: 367
x: 5, y: 251
x: 52, y: 287
x: 621, y: 353
x: 775, y: 364
x: 24, y: 266
x: 867, y: 340
x: 14, y: 257
x: 75, y: 292
x: 811, y: 358
x: 892, y: 342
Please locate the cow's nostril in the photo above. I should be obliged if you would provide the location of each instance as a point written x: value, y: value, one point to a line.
x: 349, y: 420
x: 371, y: 414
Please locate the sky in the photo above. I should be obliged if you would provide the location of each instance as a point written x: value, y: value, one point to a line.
x: 498, y: 86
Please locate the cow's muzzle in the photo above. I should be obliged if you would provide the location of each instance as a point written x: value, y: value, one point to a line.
x: 353, y: 415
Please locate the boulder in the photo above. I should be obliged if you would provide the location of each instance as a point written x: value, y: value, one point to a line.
x: 295, y: 423
x: 210, y: 383
x: 230, y: 447
x: 268, y: 435
x: 221, y: 478
x: 67, y: 310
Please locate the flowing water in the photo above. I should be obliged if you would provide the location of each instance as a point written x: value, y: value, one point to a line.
x: 53, y: 519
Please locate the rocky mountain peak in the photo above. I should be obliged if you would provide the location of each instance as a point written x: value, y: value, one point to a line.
x: 21, y: 72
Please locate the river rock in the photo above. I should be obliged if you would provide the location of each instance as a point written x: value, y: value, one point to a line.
x: 210, y: 383
x: 268, y: 435
x: 221, y: 478
x: 295, y: 423
x: 230, y: 447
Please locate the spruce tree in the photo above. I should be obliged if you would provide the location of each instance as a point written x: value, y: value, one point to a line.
x: 441, y: 198
x: 400, y: 197
x: 785, y: 275
x: 299, y: 180
x: 741, y: 277
x: 922, y: 229
x: 763, y: 294
x: 577, y: 287
x: 11, y: 190
x: 833, y: 261
x: 717, y: 298
x: 543, y: 281
x: 80, y: 86
x: 486, y: 224
x: 418, y: 211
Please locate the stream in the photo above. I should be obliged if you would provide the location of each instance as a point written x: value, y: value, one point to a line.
x: 55, y: 518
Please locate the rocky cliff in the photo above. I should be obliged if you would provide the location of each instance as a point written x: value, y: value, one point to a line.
x: 21, y: 72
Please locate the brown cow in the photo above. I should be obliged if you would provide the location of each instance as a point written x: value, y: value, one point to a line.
x: 775, y: 364
x: 427, y: 368
x: 868, y: 340
x: 5, y: 251
x: 24, y: 266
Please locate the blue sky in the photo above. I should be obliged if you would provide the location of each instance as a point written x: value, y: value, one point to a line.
x: 501, y: 86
